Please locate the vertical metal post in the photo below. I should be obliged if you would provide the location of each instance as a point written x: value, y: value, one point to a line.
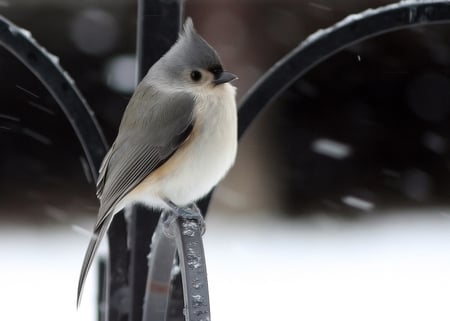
x: 193, y: 269
x: 159, y: 22
x: 158, y: 26
x: 142, y: 224
x: 114, y: 307
x: 184, y: 237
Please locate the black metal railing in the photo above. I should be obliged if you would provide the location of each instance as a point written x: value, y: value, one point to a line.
x: 325, y: 43
x: 60, y: 85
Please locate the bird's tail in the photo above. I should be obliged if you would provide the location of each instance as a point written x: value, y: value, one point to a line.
x: 94, y: 243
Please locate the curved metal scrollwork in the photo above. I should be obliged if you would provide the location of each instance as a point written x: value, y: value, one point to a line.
x: 324, y: 43
x: 46, y: 68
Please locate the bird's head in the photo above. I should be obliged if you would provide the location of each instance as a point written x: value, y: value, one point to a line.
x: 191, y: 64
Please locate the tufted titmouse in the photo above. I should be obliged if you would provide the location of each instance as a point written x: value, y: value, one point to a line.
x: 177, y: 138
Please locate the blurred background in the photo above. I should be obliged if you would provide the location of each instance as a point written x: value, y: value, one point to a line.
x: 337, y: 206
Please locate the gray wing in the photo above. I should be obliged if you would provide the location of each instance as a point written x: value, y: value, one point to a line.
x: 151, y: 131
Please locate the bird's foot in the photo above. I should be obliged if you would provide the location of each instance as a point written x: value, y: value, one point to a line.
x: 190, y: 212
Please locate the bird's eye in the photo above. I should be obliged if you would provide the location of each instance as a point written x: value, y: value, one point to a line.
x: 196, y: 75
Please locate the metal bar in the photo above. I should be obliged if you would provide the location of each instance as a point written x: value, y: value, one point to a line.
x: 193, y: 269
x: 160, y: 263
x: 159, y: 22
x: 142, y: 224
x: 158, y: 26
x: 175, y: 308
x: 185, y: 236
x: 117, y: 289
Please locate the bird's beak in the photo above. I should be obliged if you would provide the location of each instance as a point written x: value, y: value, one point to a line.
x: 224, y: 77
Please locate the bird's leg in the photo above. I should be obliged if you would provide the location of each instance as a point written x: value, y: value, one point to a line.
x: 191, y: 212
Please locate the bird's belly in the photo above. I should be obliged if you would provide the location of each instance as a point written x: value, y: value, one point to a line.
x: 201, y: 165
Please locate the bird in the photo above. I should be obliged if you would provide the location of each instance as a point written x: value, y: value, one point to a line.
x: 176, y: 141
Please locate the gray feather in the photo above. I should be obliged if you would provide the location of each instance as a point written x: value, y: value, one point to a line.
x: 94, y: 243
x: 152, y: 129
x: 102, y: 172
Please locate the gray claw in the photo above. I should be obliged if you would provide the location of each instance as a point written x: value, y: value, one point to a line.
x: 190, y: 212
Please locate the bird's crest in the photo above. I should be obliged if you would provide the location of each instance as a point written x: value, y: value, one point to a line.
x: 192, y: 49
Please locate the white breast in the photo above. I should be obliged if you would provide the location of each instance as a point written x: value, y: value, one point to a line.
x: 212, y: 151
x: 195, y: 169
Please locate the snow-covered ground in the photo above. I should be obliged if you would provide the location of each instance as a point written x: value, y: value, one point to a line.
x: 260, y: 268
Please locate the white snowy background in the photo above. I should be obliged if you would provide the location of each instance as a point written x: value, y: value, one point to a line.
x: 383, y: 267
